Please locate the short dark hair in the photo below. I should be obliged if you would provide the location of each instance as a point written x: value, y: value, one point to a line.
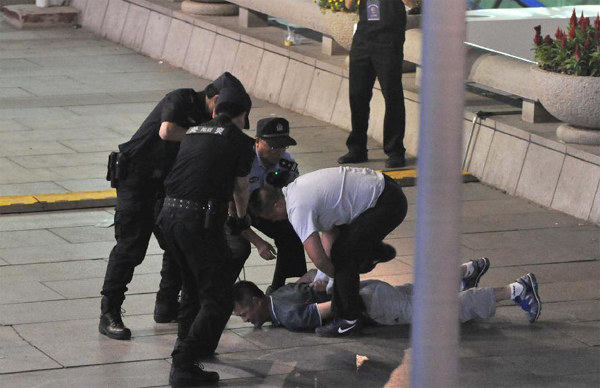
x: 244, y: 291
x: 263, y: 199
x: 210, y: 91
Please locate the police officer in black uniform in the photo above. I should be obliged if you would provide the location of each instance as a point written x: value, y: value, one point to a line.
x: 273, y: 166
x: 377, y: 52
x: 211, y: 168
x: 138, y: 172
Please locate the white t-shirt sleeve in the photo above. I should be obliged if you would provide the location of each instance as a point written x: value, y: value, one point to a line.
x: 304, y: 222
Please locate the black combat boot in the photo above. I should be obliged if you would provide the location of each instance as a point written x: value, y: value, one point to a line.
x: 191, y: 376
x: 111, y: 324
x: 166, y: 311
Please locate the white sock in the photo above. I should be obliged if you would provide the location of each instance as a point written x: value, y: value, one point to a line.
x: 470, y: 269
x: 516, y: 289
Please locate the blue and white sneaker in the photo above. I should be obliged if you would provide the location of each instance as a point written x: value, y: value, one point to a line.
x: 529, y: 300
x: 481, y: 266
x: 339, y: 328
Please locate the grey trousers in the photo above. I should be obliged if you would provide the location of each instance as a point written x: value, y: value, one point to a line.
x: 392, y: 305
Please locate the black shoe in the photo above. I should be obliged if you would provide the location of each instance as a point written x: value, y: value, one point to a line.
x: 112, y: 326
x: 481, y: 266
x: 395, y: 162
x: 191, y: 376
x: 339, y: 328
x: 166, y: 312
x: 383, y: 254
x: 353, y: 157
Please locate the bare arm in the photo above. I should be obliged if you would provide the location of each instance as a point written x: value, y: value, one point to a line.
x: 324, y: 310
x: 265, y: 250
x: 171, y: 131
x: 328, y: 238
x: 241, y: 195
x: 314, y: 248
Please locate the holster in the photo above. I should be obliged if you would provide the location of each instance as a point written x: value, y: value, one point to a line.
x: 116, y: 168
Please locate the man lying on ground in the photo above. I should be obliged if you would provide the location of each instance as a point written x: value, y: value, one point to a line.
x: 306, y: 305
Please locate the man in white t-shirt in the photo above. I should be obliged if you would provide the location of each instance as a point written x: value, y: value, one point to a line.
x: 354, y: 209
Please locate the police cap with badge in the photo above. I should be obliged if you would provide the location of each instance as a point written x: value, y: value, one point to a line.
x: 276, y: 132
x: 227, y: 80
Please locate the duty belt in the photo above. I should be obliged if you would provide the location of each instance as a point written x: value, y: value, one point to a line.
x: 184, y: 204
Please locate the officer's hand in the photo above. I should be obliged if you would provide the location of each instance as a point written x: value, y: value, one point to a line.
x: 319, y: 285
x: 266, y: 251
x: 231, y: 226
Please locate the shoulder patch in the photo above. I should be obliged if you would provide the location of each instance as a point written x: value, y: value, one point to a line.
x: 288, y: 164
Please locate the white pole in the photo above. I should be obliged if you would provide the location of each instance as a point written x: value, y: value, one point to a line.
x: 435, y: 333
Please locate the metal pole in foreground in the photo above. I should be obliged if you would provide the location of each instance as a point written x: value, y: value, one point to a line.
x: 435, y: 332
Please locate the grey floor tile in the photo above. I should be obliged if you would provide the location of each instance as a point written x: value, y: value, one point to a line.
x: 51, y: 220
x: 50, y: 161
x: 24, y: 359
x: 12, y: 126
x: 68, y: 310
x: 95, y: 145
x: 83, y: 234
x: 26, y: 291
x: 30, y: 188
x: 58, y: 253
x: 73, y: 123
x: 86, y: 288
x: 126, y: 375
x: 570, y: 291
x: 487, y: 339
x: 586, y: 332
x: 560, y: 362
x: 29, y: 238
x: 76, y: 185
x: 53, y: 271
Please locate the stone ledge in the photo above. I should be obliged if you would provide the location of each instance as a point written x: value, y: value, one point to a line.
x: 28, y: 16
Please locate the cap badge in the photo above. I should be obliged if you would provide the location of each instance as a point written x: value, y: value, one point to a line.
x: 279, y: 127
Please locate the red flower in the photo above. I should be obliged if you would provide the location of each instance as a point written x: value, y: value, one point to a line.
x: 582, y: 21
x: 563, y: 43
x: 558, y: 34
x: 587, y: 44
x: 572, y: 32
x: 597, y: 22
x: 573, y: 20
x: 537, y: 39
x: 577, y: 53
x: 597, y: 36
x: 548, y: 40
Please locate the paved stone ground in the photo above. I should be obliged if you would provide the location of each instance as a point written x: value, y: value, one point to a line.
x: 67, y: 98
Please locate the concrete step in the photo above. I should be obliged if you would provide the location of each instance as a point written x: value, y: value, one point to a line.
x: 28, y: 16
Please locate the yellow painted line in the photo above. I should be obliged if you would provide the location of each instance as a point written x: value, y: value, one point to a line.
x: 57, y: 197
x: 76, y: 196
x: 410, y: 173
x: 17, y: 200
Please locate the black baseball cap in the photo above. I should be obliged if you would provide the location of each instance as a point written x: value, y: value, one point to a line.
x: 234, y: 101
x: 228, y: 80
x: 275, y: 131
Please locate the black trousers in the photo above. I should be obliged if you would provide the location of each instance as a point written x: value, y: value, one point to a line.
x: 138, y: 199
x: 370, y: 59
x: 205, y: 261
x: 291, y: 261
x: 357, y: 243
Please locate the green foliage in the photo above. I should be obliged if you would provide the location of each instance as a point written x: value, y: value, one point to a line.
x: 574, y: 52
x: 334, y: 6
